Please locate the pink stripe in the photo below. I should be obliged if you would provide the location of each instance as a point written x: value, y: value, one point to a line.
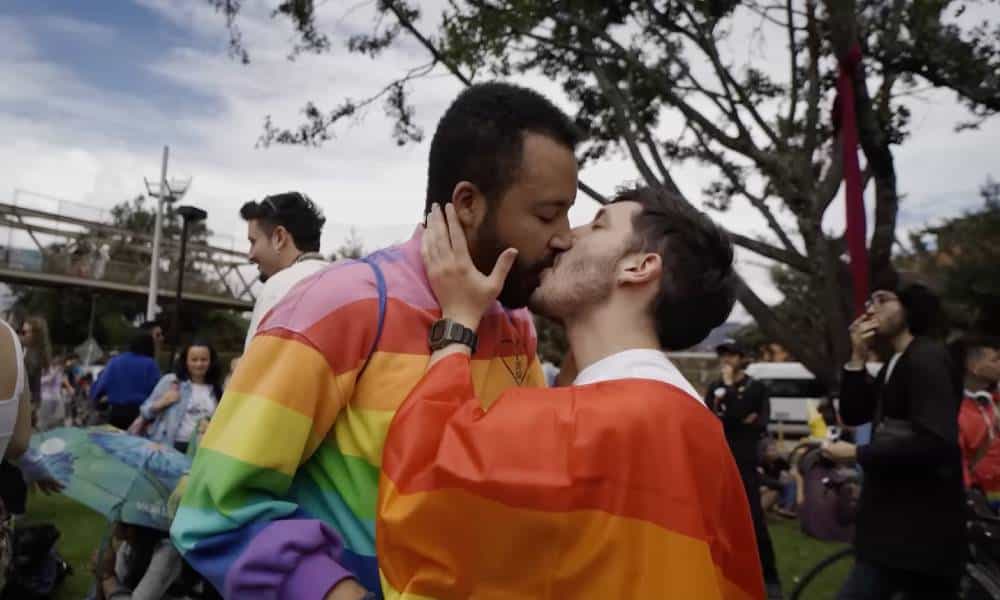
x: 341, y: 284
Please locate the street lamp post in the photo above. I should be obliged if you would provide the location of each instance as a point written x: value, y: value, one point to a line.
x: 190, y: 214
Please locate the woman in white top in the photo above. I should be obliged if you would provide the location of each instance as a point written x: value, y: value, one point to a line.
x: 185, y: 398
x: 15, y: 403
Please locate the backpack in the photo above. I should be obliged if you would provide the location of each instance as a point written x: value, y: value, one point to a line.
x: 36, y: 569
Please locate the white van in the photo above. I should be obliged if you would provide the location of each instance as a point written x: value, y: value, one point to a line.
x: 793, y: 389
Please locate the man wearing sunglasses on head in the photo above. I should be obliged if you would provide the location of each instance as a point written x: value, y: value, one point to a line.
x: 909, y: 536
x: 284, y: 232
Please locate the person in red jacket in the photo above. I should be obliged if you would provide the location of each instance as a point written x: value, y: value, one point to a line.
x: 978, y: 358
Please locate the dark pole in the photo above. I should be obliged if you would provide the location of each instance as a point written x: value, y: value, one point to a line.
x: 189, y: 214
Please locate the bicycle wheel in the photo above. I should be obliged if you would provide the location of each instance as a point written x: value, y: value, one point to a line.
x: 819, y: 568
x: 979, y: 584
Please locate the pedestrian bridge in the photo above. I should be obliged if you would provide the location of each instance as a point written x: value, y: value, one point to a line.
x: 54, y: 243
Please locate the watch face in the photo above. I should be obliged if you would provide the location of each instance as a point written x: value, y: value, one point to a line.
x: 437, y: 331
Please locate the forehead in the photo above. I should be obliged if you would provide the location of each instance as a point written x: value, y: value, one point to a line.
x: 548, y: 169
x: 200, y: 351
x: 622, y: 212
x: 253, y: 228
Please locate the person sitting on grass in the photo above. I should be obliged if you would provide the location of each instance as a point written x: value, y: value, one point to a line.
x: 778, y: 490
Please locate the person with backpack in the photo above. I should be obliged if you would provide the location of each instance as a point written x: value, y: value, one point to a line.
x: 299, y: 433
x: 910, y: 529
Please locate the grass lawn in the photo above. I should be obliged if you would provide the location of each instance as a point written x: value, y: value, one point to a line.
x: 798, y: 553
x: 82, y: 530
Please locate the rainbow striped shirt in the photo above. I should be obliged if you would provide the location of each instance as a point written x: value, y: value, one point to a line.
x: 295, y: 449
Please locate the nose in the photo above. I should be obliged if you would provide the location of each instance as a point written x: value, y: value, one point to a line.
x: 562, y: 241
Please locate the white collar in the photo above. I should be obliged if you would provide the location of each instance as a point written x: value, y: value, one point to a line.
x: 640, y: 363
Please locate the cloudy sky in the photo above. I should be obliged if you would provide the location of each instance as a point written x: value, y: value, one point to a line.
x: 91, y: 91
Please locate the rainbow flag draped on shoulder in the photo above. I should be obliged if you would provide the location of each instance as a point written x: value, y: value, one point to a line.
x: 619, y: 489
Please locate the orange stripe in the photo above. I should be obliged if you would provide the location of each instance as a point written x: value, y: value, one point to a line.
x: 495, y: 551
x: 633, y: 448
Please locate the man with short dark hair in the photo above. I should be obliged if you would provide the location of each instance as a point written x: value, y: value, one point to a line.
x: 284, y: 232
x: 290, y: 464
x: 619, y: 486
x: 742, y: 403
x: 909, y: 537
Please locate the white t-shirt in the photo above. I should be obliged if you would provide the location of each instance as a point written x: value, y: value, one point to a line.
x: 637, y: 364
x: 201, y: 406
x: 275, y: 289
x: 8, y: 406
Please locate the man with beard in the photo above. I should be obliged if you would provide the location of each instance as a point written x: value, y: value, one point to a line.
x: 281, y: 500
x: 619, y: 486
x: 909, y: 535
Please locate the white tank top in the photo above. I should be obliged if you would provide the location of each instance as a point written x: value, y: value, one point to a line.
x: 8, y: 406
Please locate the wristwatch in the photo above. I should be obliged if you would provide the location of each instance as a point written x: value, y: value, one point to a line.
x: 445, y: 332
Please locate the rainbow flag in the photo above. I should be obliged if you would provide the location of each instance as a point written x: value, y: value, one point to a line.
x: 620, y: 489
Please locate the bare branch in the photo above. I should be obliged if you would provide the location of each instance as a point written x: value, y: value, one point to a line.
x: 813, y: 95
x: 618, y: 105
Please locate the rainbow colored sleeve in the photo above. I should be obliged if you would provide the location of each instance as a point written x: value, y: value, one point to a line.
x: 621, y: 489
x: 239, y: 523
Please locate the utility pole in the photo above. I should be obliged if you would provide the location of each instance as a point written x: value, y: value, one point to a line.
x: 164, y: 192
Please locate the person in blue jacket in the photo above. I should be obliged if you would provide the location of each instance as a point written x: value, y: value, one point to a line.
x: 128, y: 379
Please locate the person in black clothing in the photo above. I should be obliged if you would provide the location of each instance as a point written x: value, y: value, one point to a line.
x: 909, y: 539
x: 743, y: 405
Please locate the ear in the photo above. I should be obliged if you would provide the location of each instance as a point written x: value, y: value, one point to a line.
x: 470, y: 205
x: 281, y: 238
x: 640, y: 268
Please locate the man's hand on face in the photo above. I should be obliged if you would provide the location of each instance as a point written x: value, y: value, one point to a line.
x: 862, y: 332
x: 463, y: 293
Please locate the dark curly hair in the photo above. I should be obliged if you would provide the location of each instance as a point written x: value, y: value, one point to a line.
x: 293, y: 211
x: 698, y: 287
x: 480, y: 139
x: 214, y: 375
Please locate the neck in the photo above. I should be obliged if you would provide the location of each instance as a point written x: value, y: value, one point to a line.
x: 902, y: 341
x: 290, y: 258
x: 599, y: 332
x: 197, y: 379
x: 975, y: 384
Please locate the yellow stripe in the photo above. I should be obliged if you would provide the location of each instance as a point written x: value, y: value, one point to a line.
x: 361, y: 428
x: 294, y: 375
x: 390, y: 378
x: 361, y: 433
x: 260, y: 432
x: 493, y: 550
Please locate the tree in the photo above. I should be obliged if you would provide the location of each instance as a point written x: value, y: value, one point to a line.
x: 352, y: 247
x: 962, y: 256
x: 628, y: 64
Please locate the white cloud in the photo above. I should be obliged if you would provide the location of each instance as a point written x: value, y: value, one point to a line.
x: 94, y: 145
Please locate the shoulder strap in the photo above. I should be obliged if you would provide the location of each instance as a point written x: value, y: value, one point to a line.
x: 382, y: 302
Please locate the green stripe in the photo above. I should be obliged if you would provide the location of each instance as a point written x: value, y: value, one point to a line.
x: 225, y: 484
x: 353, y: 478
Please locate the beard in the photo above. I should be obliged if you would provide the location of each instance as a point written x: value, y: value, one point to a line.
x: 524, y: 277
x: 574, y: 284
